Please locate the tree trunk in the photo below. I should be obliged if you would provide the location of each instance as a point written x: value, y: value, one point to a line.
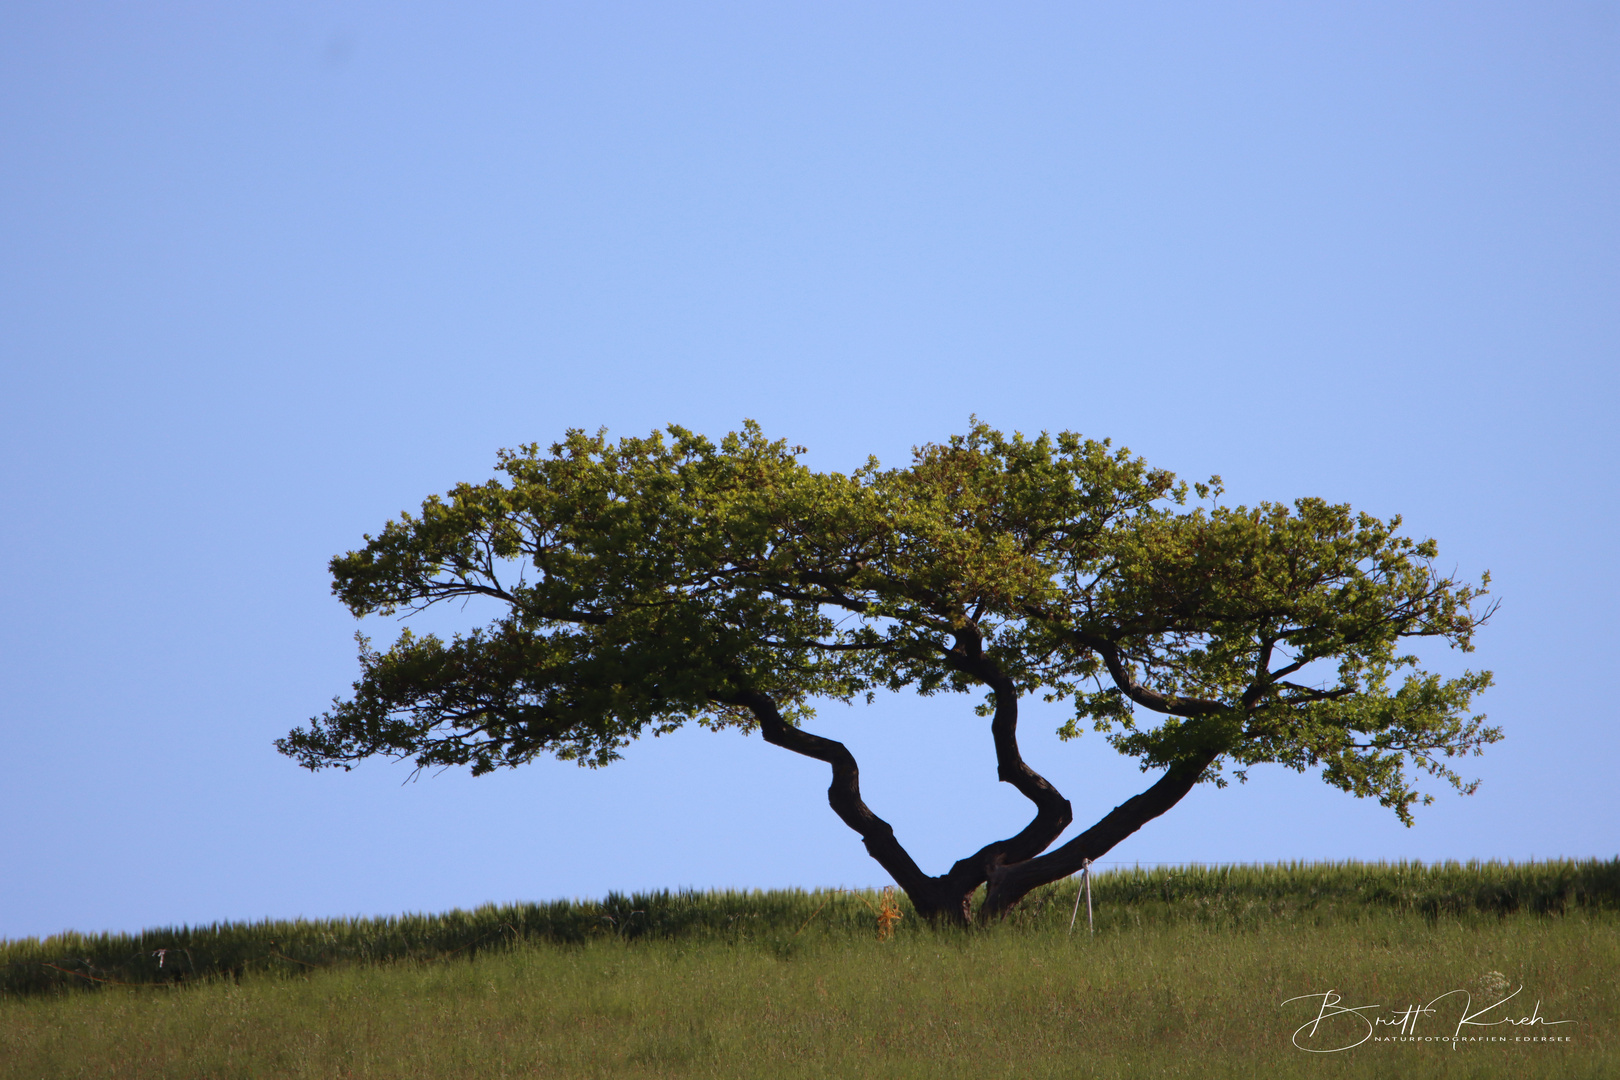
x: 1011, y: 868
x: 946, y: 898
x: 1010, y: 884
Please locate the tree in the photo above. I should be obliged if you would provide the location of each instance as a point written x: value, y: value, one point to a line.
x: 648, y: 583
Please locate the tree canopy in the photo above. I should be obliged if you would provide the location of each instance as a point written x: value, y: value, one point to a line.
x: 650, y: 582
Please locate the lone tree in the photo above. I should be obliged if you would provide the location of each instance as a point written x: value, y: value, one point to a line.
x: 651, y: 582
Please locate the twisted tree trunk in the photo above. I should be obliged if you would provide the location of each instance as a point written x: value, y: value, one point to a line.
x: 1010, y: 868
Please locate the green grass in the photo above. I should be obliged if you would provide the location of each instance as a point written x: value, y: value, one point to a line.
x: 1185, y: 976
x: 1239, y: 895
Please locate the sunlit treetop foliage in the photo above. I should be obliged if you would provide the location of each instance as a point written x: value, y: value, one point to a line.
x: 650, y: 582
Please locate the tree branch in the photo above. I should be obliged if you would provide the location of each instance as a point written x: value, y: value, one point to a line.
x: 844, y: 794
x: 1053, y: 813
x: 1009, y: 884
x: 1148, y: 699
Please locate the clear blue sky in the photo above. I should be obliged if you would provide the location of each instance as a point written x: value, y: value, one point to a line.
x: 271, y: 273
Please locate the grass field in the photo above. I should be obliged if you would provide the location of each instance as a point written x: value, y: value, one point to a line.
x: 1186, y: 976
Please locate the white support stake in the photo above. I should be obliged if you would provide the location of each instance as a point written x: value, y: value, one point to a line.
x: 1085, y: 871
x: 1085, y: 882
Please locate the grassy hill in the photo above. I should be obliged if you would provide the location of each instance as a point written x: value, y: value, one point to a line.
x: 1186, y: 975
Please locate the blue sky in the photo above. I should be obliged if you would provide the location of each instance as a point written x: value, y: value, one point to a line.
x: 271, y: 273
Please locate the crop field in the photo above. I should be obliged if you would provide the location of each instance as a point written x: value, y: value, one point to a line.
x: 1189, y: 972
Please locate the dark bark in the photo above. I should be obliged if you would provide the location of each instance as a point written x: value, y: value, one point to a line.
x: 1053, y: 813
x: 947, y: 897
x: 844, y: 795
x: 1011, y: 883
x: 1013, y: 867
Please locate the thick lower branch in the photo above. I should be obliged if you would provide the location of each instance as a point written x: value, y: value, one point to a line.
x: 844, y: 795
x: 1010, y: 883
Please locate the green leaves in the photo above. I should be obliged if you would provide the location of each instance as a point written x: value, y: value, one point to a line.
x: 642, y: 584
x: 1272, y: 633
x: 617, y: 568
